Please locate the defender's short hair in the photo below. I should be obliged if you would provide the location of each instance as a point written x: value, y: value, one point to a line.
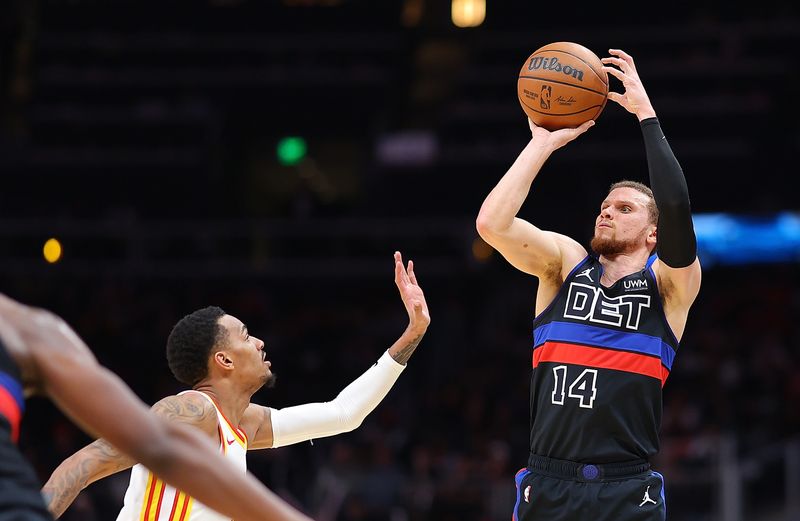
x: 190, y: 342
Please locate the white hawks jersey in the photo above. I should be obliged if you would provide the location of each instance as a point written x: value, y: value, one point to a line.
x: 149, y: 498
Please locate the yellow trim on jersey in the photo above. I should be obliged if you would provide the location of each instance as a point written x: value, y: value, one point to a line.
x: 146, y: 496
x: 182, y: 508
x: 152, y: 498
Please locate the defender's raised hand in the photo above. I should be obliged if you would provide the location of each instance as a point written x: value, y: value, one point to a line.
x: 412, y: 295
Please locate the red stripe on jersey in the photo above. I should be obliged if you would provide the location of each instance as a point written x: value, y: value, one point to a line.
x: 160, y: 498
x: 149, y: 497
x: 237, y: 432
x: 600, y: 358
x: 186, y: 501
x: 10, y: 409
x: 174, y: 504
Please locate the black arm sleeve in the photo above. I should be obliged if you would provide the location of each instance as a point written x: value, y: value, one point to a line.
x: 677, y: 245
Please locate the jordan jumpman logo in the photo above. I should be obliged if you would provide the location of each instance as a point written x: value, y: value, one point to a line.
x: 646, y: 498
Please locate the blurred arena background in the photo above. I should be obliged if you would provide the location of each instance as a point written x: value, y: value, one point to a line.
x: 269, y: 157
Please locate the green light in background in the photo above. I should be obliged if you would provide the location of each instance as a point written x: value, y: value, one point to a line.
x: 291, y: 150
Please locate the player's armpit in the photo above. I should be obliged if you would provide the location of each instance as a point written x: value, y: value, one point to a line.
x: 678, y: 286
x: 95, y: 461
x: 257, y: 424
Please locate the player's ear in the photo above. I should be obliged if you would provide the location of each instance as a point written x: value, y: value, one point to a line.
x: 221, y: 359
x: 652, y: 236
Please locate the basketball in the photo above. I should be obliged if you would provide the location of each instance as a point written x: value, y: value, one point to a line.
x: 562, y: 85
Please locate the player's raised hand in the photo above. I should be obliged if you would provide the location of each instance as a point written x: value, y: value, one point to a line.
x: 634, y: 98
x: 413, y: 298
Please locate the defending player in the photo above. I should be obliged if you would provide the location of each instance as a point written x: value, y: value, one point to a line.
x: 214, y: 354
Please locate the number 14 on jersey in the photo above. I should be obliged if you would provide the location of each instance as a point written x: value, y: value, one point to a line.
x: 583, y: 388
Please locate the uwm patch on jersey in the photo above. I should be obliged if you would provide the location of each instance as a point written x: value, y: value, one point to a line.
x: 600, y: 358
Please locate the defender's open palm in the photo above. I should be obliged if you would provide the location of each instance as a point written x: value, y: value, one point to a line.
x: 411, y: 293
x: 634, y: 98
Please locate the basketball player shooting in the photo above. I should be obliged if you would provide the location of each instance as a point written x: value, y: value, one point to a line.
x: 215, y: 355
x: 40, y: 354
x: 607, y: 325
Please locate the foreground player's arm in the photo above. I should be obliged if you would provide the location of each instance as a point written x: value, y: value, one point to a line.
x: 52, y: 355
x: 279, y: 427
x: 525, y: 246
x: 678, y: 268
x: 100, y: 459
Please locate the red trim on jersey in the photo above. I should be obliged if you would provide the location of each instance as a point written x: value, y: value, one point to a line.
x: 160, y: 498
x: 174, y: 504
x: 10, y: 409
x: 601, y: 358
x: 239, y: 433
x: 236, y: 430
x: 150, y: 496
x: 186, y: 501
x: 222, y: 444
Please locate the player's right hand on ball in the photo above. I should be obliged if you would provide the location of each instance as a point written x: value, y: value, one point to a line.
x: 557, y: 138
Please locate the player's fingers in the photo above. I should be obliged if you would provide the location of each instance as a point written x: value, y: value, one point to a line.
x: 411, y: 276
x: 615, y: 72
x: 622, y: 54
x: 577, y: 131
x: 399, y: 271
x: 616, y: 61
x: 616, y: 97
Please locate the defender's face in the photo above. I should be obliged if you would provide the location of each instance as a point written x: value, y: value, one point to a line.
x: 623, y: 222
x: 246, y: 350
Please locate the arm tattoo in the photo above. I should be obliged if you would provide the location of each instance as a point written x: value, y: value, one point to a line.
x: 187, y: 411
x: 402, y: 356
x: 99, y: 459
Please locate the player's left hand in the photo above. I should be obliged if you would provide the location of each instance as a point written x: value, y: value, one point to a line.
x: 413, y: 298
x: 634, y: 98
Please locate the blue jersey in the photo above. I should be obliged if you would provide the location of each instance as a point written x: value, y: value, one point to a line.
x: 601, y: 356
x: 19, y: 487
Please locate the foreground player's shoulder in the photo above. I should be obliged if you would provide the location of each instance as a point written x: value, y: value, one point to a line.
x: 191, y: 408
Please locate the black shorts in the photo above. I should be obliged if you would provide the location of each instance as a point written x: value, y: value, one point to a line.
x: 557, y: 490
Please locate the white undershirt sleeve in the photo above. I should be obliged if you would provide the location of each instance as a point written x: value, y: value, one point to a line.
x: 343, y: 414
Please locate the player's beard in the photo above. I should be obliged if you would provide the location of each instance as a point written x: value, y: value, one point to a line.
x: 609, y: 247
x: 270, y: 381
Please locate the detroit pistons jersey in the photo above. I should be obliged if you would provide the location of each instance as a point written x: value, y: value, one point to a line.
x: 148, y: 498
x: 601, y: 356
x: 19, y: 487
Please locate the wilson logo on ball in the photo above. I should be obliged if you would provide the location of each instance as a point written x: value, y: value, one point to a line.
x: 552, y: 64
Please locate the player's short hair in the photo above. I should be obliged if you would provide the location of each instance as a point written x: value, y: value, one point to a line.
x: 190, y: 342
x: 652, y: 209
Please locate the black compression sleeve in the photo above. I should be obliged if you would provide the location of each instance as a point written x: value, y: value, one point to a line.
x: 677, y: 245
